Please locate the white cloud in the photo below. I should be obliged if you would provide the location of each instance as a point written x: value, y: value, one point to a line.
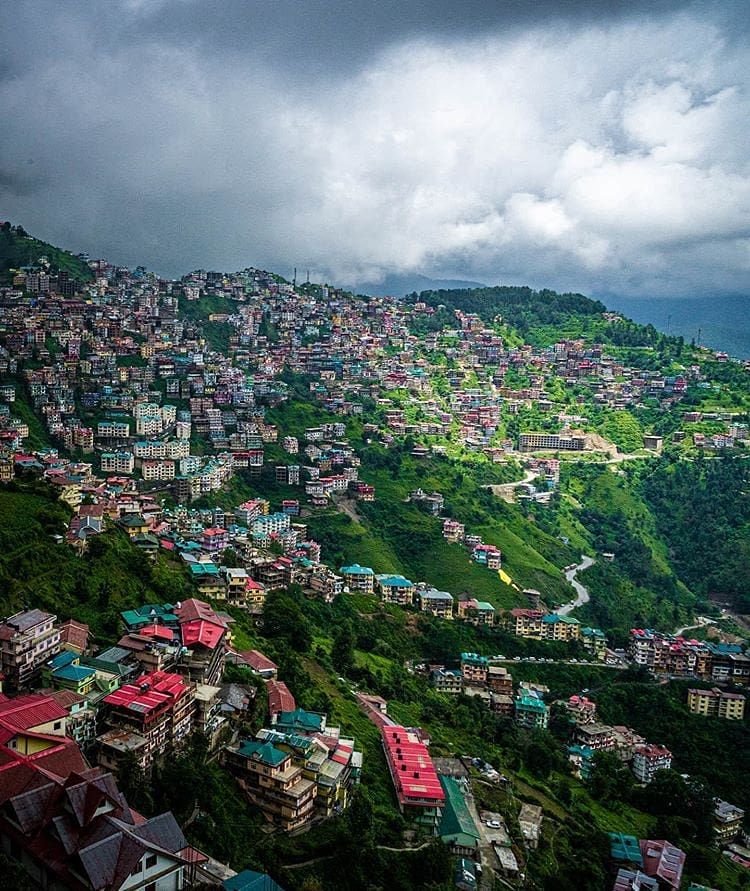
x: 611, y: 158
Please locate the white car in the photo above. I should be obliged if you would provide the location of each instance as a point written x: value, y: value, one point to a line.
x: 493, y: 824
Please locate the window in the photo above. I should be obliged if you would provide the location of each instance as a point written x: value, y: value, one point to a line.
x: 151, y: 886
x: 57, y: 725
x: 150, y: 861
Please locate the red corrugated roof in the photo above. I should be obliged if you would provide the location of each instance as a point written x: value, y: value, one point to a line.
x: 202, y: 633
x: 411, y: 767
x: 23, y: 712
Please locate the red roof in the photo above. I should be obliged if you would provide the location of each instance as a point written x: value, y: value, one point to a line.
x: 255, y: 659
x: 411, y: 768
x: 202, y: 633
x: 156, y: 631
x: 155, y: 691
x: 24, y: 712
x: 279, y: 698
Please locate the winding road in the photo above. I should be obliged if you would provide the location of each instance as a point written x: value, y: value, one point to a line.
x: 582, y: 593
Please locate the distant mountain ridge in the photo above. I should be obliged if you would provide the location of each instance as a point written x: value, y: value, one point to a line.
x: 399, y: 285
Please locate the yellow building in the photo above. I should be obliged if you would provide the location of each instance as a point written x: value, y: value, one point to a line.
x: 716, y: 703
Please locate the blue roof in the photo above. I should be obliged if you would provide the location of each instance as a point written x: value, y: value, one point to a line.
x: 248, y: 880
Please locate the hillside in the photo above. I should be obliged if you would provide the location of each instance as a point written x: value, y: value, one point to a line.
x: 18, y: 248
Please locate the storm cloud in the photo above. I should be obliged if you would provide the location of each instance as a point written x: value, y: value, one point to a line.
x: 601, y: 147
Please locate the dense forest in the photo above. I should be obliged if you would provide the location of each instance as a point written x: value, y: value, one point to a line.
x: 702, y: 509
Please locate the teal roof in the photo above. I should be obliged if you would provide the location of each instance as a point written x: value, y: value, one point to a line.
x: 299, y: 719
x: 248, y: 880
x: 149, y: 612
x: 265, y: 752
x: 530, y: 704
x: 625, y: 847
x: 204, y: 569
x: 474, y: 658
x: 356, y: 569
x: 395, y: 581
x: 593, y: 632
x: 73, y: 673
x: 483, y: 605
x: 553, y: 618
x: 62, y: 659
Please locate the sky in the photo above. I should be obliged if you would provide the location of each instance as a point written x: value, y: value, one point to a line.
x: 592, y: 146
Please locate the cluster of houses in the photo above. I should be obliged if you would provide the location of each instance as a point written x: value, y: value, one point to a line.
x: 140, y: 699
x: 677, y: 656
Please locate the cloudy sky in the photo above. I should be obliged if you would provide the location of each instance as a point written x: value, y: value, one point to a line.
x: 597, y: 146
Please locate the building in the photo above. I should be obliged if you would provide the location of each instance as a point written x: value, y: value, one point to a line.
x: 716, y: 703
x: 531, y: 711
x: 581, y: 709
x: 728, y: 820
x: 499, y: 680
x: 359, y: 578
x: 104, y: 844
x: 598, y: 737
x: 457, y: 827
x: 474, y: 669
x: 526, y: 622
x: 439, y: 603
x: 446, y: 680
x: 664, y: 862
x: 594, y: 641
x: 418, y: 790
x: 560, y: 628
x: 27, y: 641
x: 272, y: 782
x: 533, y: 442
x: 395, y: 589
x: 476, y: 612
x: 159, y: 708
x: 648, y: 759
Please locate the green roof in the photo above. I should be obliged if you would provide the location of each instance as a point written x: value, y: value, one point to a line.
x: 356, y: 569
x: 457, y: 822
x: 483, y: 605
x: 265, y: 752
x: 474, y: 658
x: 248, y: 880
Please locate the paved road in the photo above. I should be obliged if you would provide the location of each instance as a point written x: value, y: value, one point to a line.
x: 582, y: 593
x: 700, y: 622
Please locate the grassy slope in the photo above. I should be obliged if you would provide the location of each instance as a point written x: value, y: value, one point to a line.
x: 16, y: 251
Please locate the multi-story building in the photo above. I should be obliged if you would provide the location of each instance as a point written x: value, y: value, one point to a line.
x: 648, y: 759
x: 560, y: 628
x: 158, y: 707
x: 526, y: 622
x: 531, y: 711
x: 395, y: 589
x: 439, y: 603
x: 446, y: 680
x: 594, y: 641
x: 581, y: 709
x: 531, y: 442
x: 418, y: 789
x: 476, y: 612
x: 272, y: 782
x: 113, y: 429
x: 716, y: 703
x: 499, y: 680
x: 596, y: 736
x: 728, y: 820
x: 474, y: 669
x: 27, y: 640
x: 359, y: 578
x: 117, y: 462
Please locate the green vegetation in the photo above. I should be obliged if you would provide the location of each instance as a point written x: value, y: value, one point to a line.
x: 113, y: 575
x: 17, y: 249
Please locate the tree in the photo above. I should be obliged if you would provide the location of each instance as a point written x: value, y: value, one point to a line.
x: 342, y: 651
x: 610, y: 781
